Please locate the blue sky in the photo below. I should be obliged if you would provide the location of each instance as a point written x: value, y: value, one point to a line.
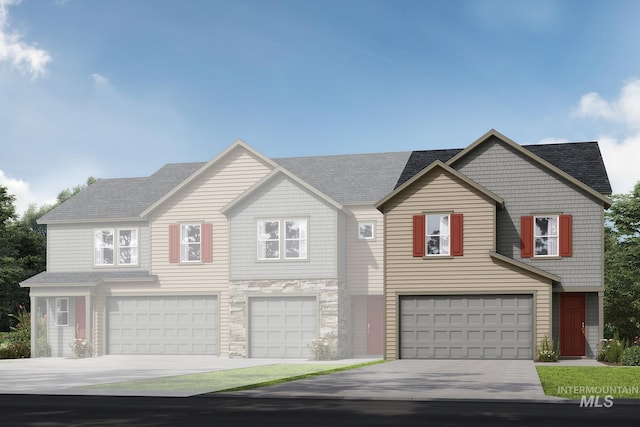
x: 117, y: 88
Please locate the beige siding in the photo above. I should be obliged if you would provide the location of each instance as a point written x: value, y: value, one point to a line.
x: 200, y: 201
x: 475, y: 272
x: 365, y: 268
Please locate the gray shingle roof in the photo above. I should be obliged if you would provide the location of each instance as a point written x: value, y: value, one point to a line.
x: 90, y: 277
x: 350, y: 178
x: 347, y: 179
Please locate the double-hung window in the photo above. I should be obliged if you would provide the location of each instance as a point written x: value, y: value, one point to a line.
x: 437, y: 234
x: 62, y: 311
x: 190, y: 243
x: 110, y: 251
x: 545, y: 234
x: 282, y: 239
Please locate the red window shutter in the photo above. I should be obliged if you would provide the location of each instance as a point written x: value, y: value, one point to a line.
x: 456, y: 235
x: 207, y: 242
x: 419, y: 236
x: 526, y: 239
x: 566, y: 235
x: 174, y: 243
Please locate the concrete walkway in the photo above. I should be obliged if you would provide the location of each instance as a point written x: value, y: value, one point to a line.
x: 420, y: 380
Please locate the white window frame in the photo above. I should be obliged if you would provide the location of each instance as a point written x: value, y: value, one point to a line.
x: 185, y: 244
x: 371, y: 225
x: 283, y: 240
x: 99, y: 247
x: 133, y: 246
x: 60, y: 312
x: 548, y: 238
x: 442, y: 251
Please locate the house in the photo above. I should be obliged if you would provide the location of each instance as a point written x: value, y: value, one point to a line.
x: 478, y: 253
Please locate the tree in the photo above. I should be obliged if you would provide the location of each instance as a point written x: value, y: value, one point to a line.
x: 622, y: 266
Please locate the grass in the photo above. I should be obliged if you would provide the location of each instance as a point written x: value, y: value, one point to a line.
x: 573, y: 382
x: 230, y: 380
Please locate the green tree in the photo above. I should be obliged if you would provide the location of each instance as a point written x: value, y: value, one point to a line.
x: 622, y: 266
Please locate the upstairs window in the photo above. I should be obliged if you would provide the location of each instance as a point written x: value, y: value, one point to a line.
x: 110, y: 251
x: 545, y: 235
x: 190, y: 243
x: 437, y: 235
x: 272, y: 245
x: 366, y: 230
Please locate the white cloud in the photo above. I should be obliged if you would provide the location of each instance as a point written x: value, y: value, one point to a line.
x: 27, y: 58
x: 620, y: 144
x: 18, y: 188
x: 99, y: 79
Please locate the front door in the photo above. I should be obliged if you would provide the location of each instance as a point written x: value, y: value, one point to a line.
x: 375, y: 319
x: 572, y: 324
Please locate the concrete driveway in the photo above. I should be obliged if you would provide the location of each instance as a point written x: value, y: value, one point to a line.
x: 53, y: 375
x: 420, y: 380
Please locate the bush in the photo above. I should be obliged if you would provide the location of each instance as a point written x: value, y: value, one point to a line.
x: 81, y: 348
x: 631, y: 356
x: 324, y: 348
x: 17, y: 343
x: 610, y: 350
x: 15, y: 350
x: 546, y: 351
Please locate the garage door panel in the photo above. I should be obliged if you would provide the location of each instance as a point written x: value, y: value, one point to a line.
x: 475, y: 327
x: 163, y: 325
x: 282, y: 326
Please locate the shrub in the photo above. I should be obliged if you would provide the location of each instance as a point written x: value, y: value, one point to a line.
x: 81, y: 348
x: 324, y: 348
x: 15, y: 350
x: 17, y: 343
x: 610, y: 350
x: 631, y: 356
x: 547, y: 352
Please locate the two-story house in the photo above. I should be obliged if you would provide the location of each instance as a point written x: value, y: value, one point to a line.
x: 246, y: 256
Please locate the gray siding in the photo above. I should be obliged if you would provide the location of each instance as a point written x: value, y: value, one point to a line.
x: 591, y: 325
x: 529, y: 189
x: 280, y: 198
x: 70, y: 247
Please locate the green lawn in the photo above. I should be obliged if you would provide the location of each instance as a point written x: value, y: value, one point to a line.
x: 229, y: 380
x: 622, y: 382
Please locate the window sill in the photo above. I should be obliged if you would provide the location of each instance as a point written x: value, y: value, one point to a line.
x: 438, y: 257
x: 544, y: 257
x: 100, y: 267
x: 280, y: 260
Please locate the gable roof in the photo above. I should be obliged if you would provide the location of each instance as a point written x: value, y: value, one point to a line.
x: 579, y: 160
x: 437, y: 164
x: 350, y: 178
x: 278, y: 172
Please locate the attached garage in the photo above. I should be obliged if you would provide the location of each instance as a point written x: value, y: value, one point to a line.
x: 163, y: 325
x: 466, y: 327
x: 282, y: 327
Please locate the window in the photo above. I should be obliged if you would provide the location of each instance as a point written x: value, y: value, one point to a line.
x: 190, y: 243
x: 104, y: 247
x: 126, y: 247
x: 62, y: 311
x: 437, y: 235
x: 294, y: 244
x: 366, y: 230
x: 545, y: 234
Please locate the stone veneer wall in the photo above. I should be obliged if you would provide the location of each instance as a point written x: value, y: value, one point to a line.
x: 333, y: 313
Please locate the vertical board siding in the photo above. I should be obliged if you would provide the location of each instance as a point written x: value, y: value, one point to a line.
x: 70, y: 247
x: 528, y: 189
x: 473, y: 273
x: 282, y: 199
x: 365, y: 258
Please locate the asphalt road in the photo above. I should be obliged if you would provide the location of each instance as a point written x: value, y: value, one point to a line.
x: 208, y: 410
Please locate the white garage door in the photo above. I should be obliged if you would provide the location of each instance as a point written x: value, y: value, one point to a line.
x: 466, y: 327
x: 163, y: 325
x: 282, y: 326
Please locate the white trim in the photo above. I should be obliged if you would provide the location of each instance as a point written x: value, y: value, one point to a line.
x: 187, y: 244
x: 59, y: 312
x: 372, y: 224
x: 548, y: 237
x: 282, y: 239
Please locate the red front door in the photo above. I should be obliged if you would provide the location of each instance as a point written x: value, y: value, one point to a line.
x: 375, y: 310
x: 81, y: 319
x: 572, y: 325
